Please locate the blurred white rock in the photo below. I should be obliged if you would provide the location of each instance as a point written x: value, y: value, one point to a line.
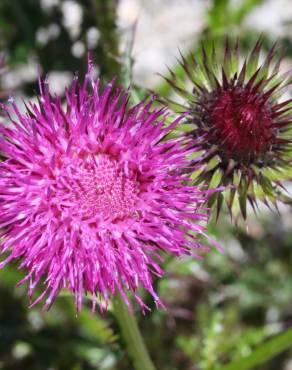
x: 272, y: 17
x: 163, y: 27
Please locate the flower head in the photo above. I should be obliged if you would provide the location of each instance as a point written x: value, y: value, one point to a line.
x: 91, y: 193
x: 240, y: 121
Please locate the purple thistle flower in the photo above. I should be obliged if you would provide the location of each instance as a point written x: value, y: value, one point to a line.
x: 91, y: 193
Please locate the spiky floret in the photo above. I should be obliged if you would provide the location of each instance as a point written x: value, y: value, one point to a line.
x: 240, y: 120
x: 91, y: 194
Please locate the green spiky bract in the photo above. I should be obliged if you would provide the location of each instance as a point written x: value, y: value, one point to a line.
x: 238, y: 116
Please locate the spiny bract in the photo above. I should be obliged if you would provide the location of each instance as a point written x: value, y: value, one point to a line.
x: 241, y: 122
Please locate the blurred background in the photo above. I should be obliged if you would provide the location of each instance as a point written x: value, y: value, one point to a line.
x: 219, y: 309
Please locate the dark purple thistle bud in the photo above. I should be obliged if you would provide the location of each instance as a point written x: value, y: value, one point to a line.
x: 92, y: 195
x: 241, y: 122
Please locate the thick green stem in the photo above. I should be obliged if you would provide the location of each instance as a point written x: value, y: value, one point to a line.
x: 132, y: 336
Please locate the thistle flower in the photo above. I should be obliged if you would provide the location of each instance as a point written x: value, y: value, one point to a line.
x: 91, y: 193
x: 240, y: 121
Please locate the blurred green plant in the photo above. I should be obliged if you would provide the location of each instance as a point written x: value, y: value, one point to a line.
x: 263, y: 353
x: 31, y: 30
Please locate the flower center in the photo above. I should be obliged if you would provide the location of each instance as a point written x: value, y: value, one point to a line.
x: 98, y: 188
x: 241, y: 123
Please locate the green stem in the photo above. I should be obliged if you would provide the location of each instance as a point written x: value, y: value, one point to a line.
x: 263, y: 353
x: 132, y: 335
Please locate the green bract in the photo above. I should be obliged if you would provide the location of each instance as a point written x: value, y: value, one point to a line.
x: 240, y: 120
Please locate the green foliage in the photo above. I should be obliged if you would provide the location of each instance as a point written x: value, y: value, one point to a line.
x: 263, y: 353
x: 34, y: 340
x: 232, y: 302
x: 223, y: 16
x: 22, y: 22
